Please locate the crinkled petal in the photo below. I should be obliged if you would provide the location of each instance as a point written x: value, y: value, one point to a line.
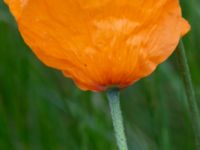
x: 101, y: 43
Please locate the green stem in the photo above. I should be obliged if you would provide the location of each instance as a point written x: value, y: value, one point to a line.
x: 114, y: 102
x: 193, y: 108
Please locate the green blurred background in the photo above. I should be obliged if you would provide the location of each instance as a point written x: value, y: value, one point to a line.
x: 42, y: 110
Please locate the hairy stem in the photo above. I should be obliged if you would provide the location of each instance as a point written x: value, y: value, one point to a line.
x: 114, y: 102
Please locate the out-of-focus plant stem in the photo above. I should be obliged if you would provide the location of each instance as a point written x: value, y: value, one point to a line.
x: 114, y: 102
x: 187, y: 80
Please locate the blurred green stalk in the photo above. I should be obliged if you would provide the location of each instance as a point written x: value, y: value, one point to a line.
x: 186, y: 76
x: 114, y: 102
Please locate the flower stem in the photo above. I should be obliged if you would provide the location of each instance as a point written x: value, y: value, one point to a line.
x: 189, y: 89
x: 114, y: 102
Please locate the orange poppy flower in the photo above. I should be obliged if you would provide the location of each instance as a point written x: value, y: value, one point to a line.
x: 101, y: 43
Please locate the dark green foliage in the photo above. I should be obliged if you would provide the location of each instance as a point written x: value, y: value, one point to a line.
x: 42, y: 110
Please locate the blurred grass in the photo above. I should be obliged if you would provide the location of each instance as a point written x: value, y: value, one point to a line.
x: 40, y: 109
